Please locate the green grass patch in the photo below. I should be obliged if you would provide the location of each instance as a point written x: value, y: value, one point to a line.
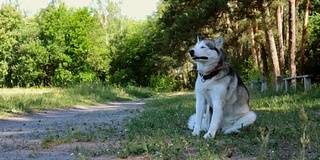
x: 280, y: 131
x: 20, y: 100
x: 287, y: 126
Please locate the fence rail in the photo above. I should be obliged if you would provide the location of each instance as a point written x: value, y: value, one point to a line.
x: 287, y: 84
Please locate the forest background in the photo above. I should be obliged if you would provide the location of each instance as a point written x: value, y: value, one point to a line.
x: 60, y: 46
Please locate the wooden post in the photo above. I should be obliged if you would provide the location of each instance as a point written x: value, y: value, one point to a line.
x: 251, y: 85
x: 279, y: 83
x: 286, y: 85
x: 263, y: 85
x: 307, y: 83
x: 294, y: 83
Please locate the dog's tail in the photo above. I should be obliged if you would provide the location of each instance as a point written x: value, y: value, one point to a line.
x: 192, y: 122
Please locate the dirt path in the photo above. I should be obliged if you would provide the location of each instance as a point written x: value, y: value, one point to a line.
x: 22, y: 138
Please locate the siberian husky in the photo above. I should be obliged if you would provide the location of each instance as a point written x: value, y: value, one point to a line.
x: 222, y: 100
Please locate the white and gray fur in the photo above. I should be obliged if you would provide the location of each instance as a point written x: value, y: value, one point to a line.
x: 219, y: 87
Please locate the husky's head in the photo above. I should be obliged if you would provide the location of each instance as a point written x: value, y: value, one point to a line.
x: 208, y: 51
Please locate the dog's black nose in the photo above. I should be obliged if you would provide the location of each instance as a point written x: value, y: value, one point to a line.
x: 191, y: 52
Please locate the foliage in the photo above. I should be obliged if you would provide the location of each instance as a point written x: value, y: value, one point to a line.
x: 163, y: 83
x: 57, y: 47
x: 313, y: 51
x: 131, y: 60
x: 10, y: 25
x: 65, y: 34
x: 179, y: 24
x: 251, y: 72
x: 234, y: 19
x: 60, y: 46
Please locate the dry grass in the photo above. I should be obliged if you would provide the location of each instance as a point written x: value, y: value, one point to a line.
x: 17, y: 101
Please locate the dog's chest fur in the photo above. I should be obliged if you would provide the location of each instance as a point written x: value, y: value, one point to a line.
x: 217, y: 89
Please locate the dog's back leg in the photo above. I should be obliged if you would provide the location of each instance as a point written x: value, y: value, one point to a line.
x: 243, y: 122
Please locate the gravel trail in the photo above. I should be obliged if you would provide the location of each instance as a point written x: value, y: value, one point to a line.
x: 23, y: 137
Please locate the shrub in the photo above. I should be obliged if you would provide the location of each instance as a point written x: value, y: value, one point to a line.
x: 163, y: 83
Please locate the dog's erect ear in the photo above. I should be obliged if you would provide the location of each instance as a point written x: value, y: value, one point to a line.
x: 198, y: 39
x: 219, y: 42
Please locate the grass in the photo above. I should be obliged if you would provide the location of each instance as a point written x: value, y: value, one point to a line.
x: 282, y: 131
x: 287, y: 126
x: 19, y: 100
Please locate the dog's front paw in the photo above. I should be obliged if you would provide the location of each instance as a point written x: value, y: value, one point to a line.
x: 196, y: 132
x: 229, y: 131
x: 208, y: 135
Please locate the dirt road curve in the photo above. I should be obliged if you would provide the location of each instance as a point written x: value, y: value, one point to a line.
x: 22, y: 138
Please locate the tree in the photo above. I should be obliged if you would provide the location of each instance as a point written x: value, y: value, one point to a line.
x: 76, y: 31
x: 180, y: 23
x: 292, y: 39
x: 257, y: 42
x: 53, y: 23
x: 313, y: 44
x: 72, y: 45
x: 62, y: 45
x: 304, y: 36
x: 10, y: 24
x: 270, y: 40
x: 131, y: 61
x: 109, y: 15
x: 99, y: 53
x: 279, y: 20
x: 30, y: 57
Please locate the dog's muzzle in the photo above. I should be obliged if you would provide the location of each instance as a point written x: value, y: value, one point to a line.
x: 192, y: 55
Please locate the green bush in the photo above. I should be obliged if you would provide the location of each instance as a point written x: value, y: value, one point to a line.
x: 163, y: 83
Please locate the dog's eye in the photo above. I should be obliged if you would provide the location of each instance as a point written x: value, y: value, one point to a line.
x: 203, y: 47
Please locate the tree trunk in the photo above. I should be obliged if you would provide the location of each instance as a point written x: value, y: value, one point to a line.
x: 270, y: 41
x: 304, y: 36
x: 253, y: 46
x: 256, y: 52
x: 263, y: 60
x: 292, y: 40
x: 279, y: 20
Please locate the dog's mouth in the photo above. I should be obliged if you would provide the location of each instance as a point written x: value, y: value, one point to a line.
x: 201, y: 58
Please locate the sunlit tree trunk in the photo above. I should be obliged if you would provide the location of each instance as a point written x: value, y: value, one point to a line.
x: 253, y: 41
x: 270, y: 40
x: 279, y: 20
x: 292, y: 40
x: 263, y: 60
x: 256, y: 51
x: 253, y: 47
x: 304, y: 36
